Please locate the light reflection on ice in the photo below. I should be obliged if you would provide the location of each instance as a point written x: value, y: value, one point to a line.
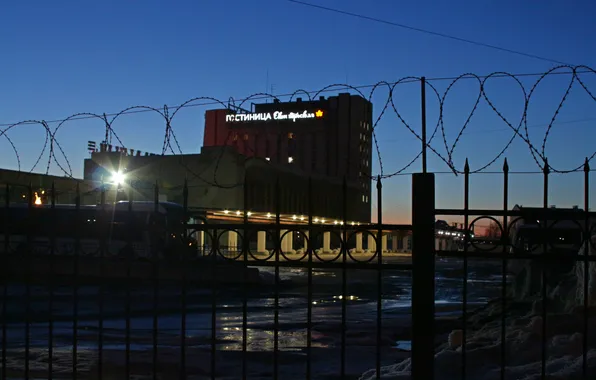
x: 326, y: 306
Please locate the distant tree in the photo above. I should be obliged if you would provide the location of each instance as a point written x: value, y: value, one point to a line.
x: 493, y: 230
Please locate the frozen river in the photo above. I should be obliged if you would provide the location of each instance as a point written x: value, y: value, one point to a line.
x: 326, y: 336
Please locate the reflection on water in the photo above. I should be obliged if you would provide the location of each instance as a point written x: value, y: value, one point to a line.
x: 327, y: 302
x: 405, y: 345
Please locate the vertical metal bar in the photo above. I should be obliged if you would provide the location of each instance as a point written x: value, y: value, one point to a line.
x: 106, y: 227
x: 465, y: 268
x: 505, y: 235
x: 245, y: 248
x: 546, y: 171
x: 28, y: 255
x: 51, y: 287
x: 423, y: 275
x: 184, y: 294
x: 214, y: 300
x: 129, y: 257
x: 379, y: 275
x: 75, y: 290
x: 423, y: 119
x: 276, y: 288
x: 160, y: 233
x: 278, y: 153
x: 344, y: 278
x: 5, y: 288
x: 310, y: 251
x: 587, y: 245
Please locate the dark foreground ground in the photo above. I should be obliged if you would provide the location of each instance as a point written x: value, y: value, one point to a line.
x: 329, y: 296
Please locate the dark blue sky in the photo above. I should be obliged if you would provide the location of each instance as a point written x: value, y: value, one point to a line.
x: 65, y: 57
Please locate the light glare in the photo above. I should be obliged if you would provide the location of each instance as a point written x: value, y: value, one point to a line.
x: 118, y: 178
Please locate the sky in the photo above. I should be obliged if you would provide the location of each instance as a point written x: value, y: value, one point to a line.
x: 68, y: 57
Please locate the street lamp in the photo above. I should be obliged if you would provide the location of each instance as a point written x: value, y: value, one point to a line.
x: 118, y: 178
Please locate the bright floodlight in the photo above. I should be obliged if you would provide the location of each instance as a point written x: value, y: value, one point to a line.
x: 118, y: 178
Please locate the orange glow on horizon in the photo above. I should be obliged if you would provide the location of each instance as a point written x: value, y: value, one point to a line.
x: 480, y: 227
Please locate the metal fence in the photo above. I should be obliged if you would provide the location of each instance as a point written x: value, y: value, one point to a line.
x: 229, y: 273
x: 36, y: 262
x: 545, y: 276
x: 101, y: 292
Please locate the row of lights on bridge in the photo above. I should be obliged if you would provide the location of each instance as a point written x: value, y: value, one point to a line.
x: 451, y: 233
x: 295, y: 217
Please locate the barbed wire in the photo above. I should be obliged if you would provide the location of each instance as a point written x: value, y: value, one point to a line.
x: 168, y: 113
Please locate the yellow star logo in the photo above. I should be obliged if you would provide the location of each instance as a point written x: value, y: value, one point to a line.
x: 319, y: 113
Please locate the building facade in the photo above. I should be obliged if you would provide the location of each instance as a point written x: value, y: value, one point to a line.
x: 557, y: 228
x: 217, y: 178
x: 24, y: 187
x: 326, y: 138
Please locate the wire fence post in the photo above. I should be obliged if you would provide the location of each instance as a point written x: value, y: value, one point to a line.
x: 106, y: 226
x: 423, y: 120
x: 544, y: 276
x: 245, y: 250
x: 6, y: 222
x: 184, y: 291
x: 159, y: 246
x: 310, y: 251
x: 587, y: 242
x: 423, y: 275
x: 379, y: 275
x: 75, y: 288
x: 28, y: 276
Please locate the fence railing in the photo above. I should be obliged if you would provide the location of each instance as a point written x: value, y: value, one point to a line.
x: 544, y: 257
x: 133, y: 250
x: 188, y: 293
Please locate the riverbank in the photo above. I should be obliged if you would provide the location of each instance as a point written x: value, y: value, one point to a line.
x: 328, y: 300
x: 42, y: 269
x: 566, y: 355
